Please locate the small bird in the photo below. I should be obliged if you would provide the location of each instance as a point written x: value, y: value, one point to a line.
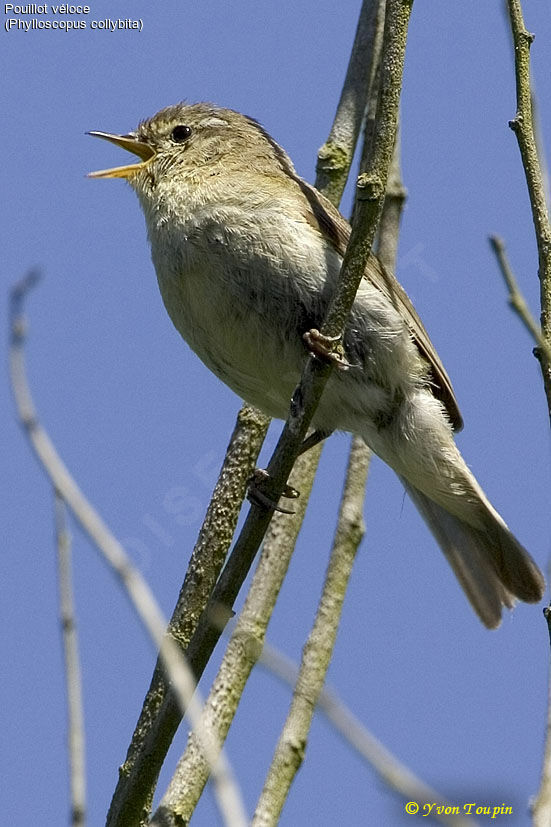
x: 247, y: 255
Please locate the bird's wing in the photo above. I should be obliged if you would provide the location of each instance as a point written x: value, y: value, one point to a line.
x: 337, y: 230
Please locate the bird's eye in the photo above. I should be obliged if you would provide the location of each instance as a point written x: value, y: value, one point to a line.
x: 180, y: 133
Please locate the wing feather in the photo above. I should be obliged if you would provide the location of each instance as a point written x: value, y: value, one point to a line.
x: 337, y: 230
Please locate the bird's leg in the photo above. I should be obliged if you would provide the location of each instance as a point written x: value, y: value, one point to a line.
x: 321, y: 347
x: 257, y: 496
x: 314, y: 438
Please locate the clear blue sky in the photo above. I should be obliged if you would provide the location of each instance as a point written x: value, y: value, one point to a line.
x: 137, y: 418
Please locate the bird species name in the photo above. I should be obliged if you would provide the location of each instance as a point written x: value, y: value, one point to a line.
x: 44, y: 8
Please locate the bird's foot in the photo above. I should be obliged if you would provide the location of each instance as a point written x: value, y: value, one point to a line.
x: 321, y: 347
x: 258, y: 497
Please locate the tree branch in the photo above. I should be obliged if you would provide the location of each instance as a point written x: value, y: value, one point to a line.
x: 371, y: 189
x: 73, y: 677
x: 318, y: 649
x: 516, y: 299
x: 523, y: 127
x: 134, y: 585
x: 244, y: 648
x: 192, y: 773
x: 336, y: 154
x: 161, y: 714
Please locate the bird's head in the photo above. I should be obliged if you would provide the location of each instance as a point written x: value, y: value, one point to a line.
x: 192, y: 142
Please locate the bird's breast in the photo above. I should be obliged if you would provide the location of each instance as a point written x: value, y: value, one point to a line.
x: 242, y: 298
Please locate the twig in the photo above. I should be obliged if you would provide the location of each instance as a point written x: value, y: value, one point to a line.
x: 319, y: 645
x: 243, y: 649
x: 371, y: 190
x: 135, y: 587
x: 516, y: 299
x: 395, y: 774
x: 523, y: 127
x: 371, y: 187
x: 318, y: 649
x: 336, y: 154
x: 161, y: 714
x: 389, y: 228
x: 191, y: 775
x: 73, y: 677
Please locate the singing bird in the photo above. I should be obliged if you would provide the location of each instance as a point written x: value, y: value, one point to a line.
x: 247, y: 255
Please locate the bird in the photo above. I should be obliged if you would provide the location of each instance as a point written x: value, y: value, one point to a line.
x: 247, y: 255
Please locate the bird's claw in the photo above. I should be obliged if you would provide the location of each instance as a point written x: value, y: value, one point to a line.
x: 256, y: 495
x: 321, y: 347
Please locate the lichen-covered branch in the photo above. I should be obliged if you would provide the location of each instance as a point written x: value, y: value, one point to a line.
x: 336, y: 154
x: 244, y: 648
x: 523, y: 127
x: 316, y: 372
x: 310, y: 681
x: 318, y: 649
x: 161, y: 714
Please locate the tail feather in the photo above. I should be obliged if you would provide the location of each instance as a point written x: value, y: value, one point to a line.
x: 490, y: 564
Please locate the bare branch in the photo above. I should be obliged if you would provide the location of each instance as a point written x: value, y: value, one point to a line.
x: 73, y: 678
x: 516, y: 299
x: 523, y: 127
x: 320, y: 644
x: 371, y: 190
x: 243, y: 649
x: 134, y: 585
x: 161, y: 714
x: 318, y: 649
x: 526, y: 128
x: 336, y: 154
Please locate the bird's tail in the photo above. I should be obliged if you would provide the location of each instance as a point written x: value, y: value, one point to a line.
x: 489, y: 562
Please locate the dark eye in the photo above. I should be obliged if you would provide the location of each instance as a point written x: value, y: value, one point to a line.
x: 180, y: 133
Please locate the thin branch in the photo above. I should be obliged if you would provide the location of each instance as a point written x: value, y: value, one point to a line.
x: 243, y: 649
x: 389, y: 228
x: 192, y: 773
x: 523, y: 127
x: 317, y: 652
x: 540, y: 147
x: 161, y: 713
x: 320, y: 643
x: 135, y: 587
x: 395, y: 775
x: 336, y: 154
x: 73, y: 677
x: 371, y: 184
x: 516, y: 299
x: 371, y: 189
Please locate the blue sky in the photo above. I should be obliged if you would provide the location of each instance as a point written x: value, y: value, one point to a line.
x: 139, y: 420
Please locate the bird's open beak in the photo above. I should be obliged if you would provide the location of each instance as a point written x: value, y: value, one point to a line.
x: 131, y: 143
